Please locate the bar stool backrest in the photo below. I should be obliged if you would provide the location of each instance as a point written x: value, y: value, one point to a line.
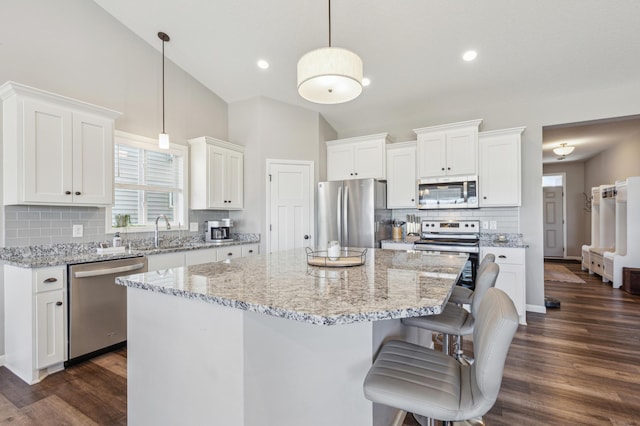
x: 495, y: 326
x: 485, y: 280
x: 486, y: 260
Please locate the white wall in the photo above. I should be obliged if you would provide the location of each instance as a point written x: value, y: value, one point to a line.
x: 616, y: 163
x: 589, y: 104
x: 271, y: 130
x: 74, y: 48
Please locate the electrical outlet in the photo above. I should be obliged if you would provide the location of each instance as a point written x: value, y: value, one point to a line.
x: 193, y: 226
x: 493, y: 224
x: 77, y: 231
x: 485, y: 224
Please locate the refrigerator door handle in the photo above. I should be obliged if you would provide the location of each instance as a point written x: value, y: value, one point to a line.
x: 345, y: 217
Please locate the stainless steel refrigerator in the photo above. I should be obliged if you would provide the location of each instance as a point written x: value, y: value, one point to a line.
x: 353, y: 212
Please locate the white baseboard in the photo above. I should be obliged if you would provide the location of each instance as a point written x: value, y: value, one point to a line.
x: 536, y: 308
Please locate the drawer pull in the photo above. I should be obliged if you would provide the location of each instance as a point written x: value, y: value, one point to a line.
x: 229, y: 254
x: 50, y: 280
x: 502, y: 256
x: 250, y: 251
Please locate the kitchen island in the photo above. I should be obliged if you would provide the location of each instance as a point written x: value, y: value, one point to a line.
x: 270, y: 340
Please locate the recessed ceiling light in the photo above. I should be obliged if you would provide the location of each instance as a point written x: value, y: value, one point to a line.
x: 263, y: 64
x: 366, y: 82
x: 469, y: 55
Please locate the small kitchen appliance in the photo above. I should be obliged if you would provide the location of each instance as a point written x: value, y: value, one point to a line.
x: 218, y: 231
x: 452, y: 236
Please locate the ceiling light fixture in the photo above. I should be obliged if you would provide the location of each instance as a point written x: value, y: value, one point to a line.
x: 469, y: 55
x: 563, y: 150
x: 330, y: 75
x: 163, y: 138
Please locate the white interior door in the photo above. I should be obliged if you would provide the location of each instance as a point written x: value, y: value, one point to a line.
x: 290, y: 204
x: 553, y: 222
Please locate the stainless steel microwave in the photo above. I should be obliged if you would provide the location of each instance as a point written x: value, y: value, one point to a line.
x: 457, y: 192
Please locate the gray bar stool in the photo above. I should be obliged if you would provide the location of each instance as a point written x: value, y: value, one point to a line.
x: 462, y: 295
x: 454, y: 319
x: 433, y: 385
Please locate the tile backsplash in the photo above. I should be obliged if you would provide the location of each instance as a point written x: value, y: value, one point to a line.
x: 507, y: 219
x: 37, y: 225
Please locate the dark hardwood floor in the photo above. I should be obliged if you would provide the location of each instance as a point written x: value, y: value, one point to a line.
x: 91, y: 393
x: 577, y: 365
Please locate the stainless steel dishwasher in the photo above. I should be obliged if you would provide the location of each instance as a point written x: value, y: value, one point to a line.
x: 98, y: 307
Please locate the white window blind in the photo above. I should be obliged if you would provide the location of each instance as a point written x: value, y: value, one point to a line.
x: 148, y: 182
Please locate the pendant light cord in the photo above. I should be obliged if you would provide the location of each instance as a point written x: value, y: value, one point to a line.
x: 163, y: 43
x: 329, y: 23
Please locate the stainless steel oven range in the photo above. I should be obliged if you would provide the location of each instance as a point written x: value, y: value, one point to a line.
x: 451, y: 236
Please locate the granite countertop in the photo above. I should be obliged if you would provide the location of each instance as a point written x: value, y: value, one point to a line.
x: 67, y: 254
x: 391, y: 284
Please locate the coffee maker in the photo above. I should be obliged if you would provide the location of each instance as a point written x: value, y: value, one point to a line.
x: 218, y: 231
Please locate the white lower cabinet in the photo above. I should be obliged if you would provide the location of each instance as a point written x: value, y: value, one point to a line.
x: 166, y: 261
x: 197, y: 257
x: 35, y: 321
x: 230, y: 252
x: 512, y: 276
x: 250, y: 250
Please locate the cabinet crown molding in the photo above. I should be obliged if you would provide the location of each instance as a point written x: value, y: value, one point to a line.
x: 399, y: 145
x: 385, y: 136
x: 449, y: 126
x: 502, y: 132
x: 11, y: 88
x: 217, y: 142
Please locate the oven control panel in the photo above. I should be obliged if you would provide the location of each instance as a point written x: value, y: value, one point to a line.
x: 451, y: 227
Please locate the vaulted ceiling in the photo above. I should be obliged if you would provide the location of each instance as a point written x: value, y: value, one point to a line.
x: 411, y: 48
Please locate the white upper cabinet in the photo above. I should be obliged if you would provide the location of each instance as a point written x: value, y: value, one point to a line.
x: 217, y: 174
x: 357, y: 158
x: 401, y: 175
x: 448, y: 149
x: 56, y: 150
x: 500, y: 174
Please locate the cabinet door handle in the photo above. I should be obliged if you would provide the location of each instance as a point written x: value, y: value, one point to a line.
x: 443, y: 169
x: 356, y: 173
x: 77, y: 192
x: 67, y: 192
x: 58, y: 303
x: 351, y: 174
x: 412, y: 200
x: 502, y: 256
x: 229, y: 254
x: 484, y: 198
x: 250, y: 251
x: 448, y: 168
x: 50, y: 280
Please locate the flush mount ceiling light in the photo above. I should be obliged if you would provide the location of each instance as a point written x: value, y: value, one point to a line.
x: 563, y: 150
x: 469, y: 55
x: 330, y: 75
x: 163, y: 138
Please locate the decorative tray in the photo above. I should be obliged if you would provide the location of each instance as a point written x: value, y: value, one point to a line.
x: 348, y: 257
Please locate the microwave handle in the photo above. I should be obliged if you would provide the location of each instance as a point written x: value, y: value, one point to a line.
x: 465, y: 191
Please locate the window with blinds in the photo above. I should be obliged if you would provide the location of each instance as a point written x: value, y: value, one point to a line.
x: 148, y: 182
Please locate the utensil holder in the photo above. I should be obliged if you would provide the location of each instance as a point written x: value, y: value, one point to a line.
x: 396, y: 233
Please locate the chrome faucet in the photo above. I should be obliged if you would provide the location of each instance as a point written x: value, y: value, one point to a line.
x: 155, y: 238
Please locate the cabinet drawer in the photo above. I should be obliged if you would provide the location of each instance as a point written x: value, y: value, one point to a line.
x: 229, y: 253
x: 511, y: 256
x: 47, y: 279
x: 250, y: 250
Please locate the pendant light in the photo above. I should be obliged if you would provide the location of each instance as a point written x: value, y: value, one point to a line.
x: 163, y: 138
x: 330, y: 75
